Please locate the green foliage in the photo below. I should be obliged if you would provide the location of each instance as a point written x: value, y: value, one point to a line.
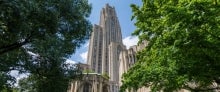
x: 184, y: 45
x: 6, y: 81
x: 27, y: 84
x: 106, y: 76
x: 88, y: 71
x: 37, y: 36
x: 56, y: 80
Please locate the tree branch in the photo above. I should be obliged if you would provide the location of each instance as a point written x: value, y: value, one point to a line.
x: 13, y: 46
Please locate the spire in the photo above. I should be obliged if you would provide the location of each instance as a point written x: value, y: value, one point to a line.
x: 109, y: 20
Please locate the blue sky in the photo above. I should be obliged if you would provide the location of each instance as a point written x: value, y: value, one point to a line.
x: 124, y: 14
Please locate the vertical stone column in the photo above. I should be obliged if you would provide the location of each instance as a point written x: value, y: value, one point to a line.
x: 100, y: 57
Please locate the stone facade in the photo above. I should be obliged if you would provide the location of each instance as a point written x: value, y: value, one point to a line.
x: 127, y: 59
x: 108, y: 31
x: 107, y: 55
x: 90, y: 82
x: 105, y: 46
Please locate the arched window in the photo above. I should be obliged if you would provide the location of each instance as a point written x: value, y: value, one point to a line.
x: 105, y: 88
x: 87, y: 87
x: 119, y: 49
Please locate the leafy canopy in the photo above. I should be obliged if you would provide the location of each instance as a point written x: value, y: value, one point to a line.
x: 56, y: 79
x: 36, y: 36
x: 184, y: 45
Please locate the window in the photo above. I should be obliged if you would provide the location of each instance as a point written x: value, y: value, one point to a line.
x: 87, y: 87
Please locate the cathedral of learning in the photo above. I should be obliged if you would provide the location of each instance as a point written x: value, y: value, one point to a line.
x: 108, y: 57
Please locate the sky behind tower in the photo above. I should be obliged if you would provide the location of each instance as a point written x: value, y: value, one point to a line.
x: 124, y: 14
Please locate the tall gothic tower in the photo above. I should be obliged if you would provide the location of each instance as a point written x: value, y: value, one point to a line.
x: 105, y: 46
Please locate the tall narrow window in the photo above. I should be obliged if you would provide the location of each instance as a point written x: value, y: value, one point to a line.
x: 87, y: 87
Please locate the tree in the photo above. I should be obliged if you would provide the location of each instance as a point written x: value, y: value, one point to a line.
x: 38, y: 35
x: 27, y: 85
x: 183, y: 49
x: 5, y: 81
x: 55, y: 80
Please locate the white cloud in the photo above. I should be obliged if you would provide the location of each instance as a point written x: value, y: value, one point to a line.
x: 15, y: 73
x: 84, y: 56
x: 33, y: 54
x: 68, y: 61
x: 130, y: 41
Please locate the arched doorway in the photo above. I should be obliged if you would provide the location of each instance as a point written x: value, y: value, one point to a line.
x: 85, y: 87
x: 105, y: 88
